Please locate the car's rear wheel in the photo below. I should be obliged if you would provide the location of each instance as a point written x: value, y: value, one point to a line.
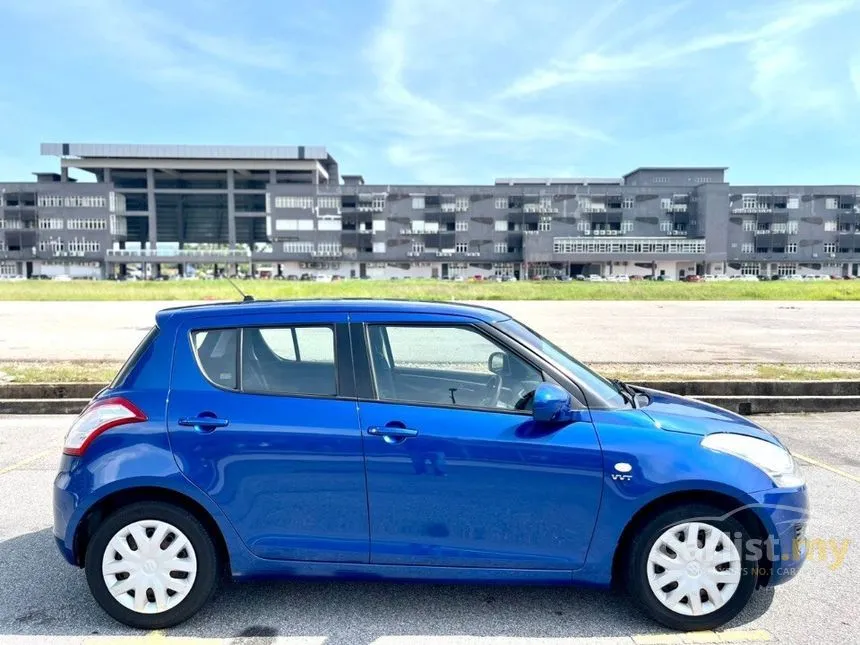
x: 691, y: 567
x: 151, y: 565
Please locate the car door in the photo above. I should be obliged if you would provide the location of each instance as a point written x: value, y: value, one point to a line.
x: 456, y: 474
x: 262, y: 417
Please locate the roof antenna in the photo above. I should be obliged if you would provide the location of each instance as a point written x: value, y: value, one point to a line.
x: 245, y: 297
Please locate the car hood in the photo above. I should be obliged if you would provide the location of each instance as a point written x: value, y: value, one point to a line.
x: 680, y: 414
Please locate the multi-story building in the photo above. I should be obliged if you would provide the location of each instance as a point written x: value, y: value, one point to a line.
x: 288, y: 209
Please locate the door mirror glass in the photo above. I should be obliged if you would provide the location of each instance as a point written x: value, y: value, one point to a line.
x: 498, y: 363
x: 551, y: 404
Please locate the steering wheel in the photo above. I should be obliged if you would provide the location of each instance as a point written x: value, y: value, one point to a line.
x: 493, y: 392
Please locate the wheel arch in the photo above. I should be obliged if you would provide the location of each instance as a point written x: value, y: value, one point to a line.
x: 723, y: 501
x: 120, y: 498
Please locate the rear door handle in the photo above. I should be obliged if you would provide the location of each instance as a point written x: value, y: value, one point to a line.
x: 393, y: 432
x: 204, y: 423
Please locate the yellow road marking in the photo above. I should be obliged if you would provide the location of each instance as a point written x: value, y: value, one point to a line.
x: 28, y: 461
x: 832, y: 469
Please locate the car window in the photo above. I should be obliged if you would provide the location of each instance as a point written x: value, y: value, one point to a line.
x: 448, y: 365
x: 289, y: 360
x: 216, y: 354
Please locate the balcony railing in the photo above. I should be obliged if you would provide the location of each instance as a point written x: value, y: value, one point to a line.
x: 179, y: 253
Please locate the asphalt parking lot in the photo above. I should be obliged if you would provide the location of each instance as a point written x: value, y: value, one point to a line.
x: 44, y: 600
x: 594, y: 331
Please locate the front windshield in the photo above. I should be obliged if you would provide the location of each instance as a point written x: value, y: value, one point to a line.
x: 577, y: 371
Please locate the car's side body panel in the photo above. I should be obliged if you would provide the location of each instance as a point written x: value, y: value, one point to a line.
x: 663, y: 463
x: 288, y: 470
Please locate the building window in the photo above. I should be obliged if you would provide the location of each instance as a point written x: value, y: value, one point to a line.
x: 747, y: 247
x: 786, y: 269
x: 749, y: 202
x: 501, y: 247
x: 749, y: 225
x: 791, y: 247
x: 49, y: 201
x: 793, y: 203
x: 417, y: 248
x: 377, y: 202
x: 749, y: 268
x: 544, y: 225
x: 298, y: 247
x: 666, y: 203
x: 51, y: 223
x: 462, y: 204
x: 294, y: 202
x: 501, y: 202
x: 329, y: 225
x: 329, y: 249
x: 645, y: 245
x: 779, y: 227
x: 328, y: 202
x: 830, y: 225
x: 418, y: 202
x: 791, y: 227
x: 500, y: 225
x: 626, y: 227
x: 628, y: 202
x: 461, y: 247
x: 84, y: 246
x: 831, y: 203
x: 86, y: 224
x: 830, y: 247
x: 379, y: 247
x: 661, y: 180
x: 461, y: 225
x: 665, y: 226
x: 84, y: 201
x: 52, y: 245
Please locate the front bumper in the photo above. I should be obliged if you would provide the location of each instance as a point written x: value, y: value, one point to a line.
x: 784, y: 513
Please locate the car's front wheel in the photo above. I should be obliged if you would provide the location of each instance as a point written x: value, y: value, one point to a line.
x: 690, y: 567
x: 151, y: 565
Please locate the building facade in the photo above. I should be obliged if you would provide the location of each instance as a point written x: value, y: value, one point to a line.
x: 288, y: 210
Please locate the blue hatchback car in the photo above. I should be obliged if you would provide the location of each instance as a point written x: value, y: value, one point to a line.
x: 409, y: 440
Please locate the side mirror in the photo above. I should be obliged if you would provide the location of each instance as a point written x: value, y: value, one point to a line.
x: 551, y: 404
x: 498, y: 363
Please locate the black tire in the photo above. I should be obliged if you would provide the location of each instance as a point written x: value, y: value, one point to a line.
x: 205, y: 582
x: 637, y: 577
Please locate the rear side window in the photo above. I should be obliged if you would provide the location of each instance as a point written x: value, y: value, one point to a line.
x: 216, y: 351
x: 274, y: 360
x: 128, y: 367
x: 289, y: 360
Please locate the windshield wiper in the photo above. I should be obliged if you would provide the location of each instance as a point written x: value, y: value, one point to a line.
x: 625, y: 390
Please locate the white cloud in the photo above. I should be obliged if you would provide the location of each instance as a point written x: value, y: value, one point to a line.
x: 629, y: 56
x: 428, y: 126
x: 160, y: 48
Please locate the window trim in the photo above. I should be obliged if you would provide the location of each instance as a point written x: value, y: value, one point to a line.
x: 548, y: 376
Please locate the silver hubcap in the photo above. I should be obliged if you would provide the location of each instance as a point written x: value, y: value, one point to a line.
x: 694, y: 568
x: 149, y: 566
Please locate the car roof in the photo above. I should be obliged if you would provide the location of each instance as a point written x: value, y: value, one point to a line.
x: 357, y: 305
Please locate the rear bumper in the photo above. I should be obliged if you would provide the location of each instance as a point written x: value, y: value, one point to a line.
x: 65, y: 503
x: 784, y: 513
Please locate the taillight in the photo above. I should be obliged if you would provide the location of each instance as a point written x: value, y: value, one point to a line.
x: 95, y: 419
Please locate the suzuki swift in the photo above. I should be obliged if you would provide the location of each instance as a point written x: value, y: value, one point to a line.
x: 410, y: 441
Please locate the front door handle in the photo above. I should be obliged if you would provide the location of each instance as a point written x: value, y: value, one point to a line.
x: 392, y: 432
x: 204, y: 423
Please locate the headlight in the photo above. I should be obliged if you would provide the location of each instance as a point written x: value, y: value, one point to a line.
x: 774, y: 460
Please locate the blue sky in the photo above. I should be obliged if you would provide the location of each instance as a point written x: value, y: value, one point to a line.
x: 452, y: 91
